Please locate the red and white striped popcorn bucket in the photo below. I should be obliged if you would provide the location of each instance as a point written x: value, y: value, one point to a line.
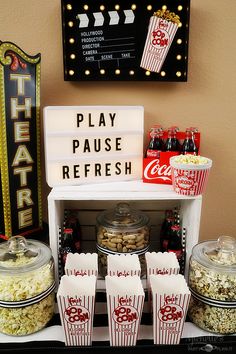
x: 170, y: 298
x: 189, y: 179
x: 76, y: 302
x: 81, y: 264
x: 159, y: 38
x: 125, y: 299
x: 160, y: 263
x: 123, y: 265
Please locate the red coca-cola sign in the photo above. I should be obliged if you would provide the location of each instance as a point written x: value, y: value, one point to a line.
x: 158, y: 170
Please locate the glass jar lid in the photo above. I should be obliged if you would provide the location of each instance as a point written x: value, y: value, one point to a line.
x: 122, y: 217
x: 18, y: 255
x: 218, y: 254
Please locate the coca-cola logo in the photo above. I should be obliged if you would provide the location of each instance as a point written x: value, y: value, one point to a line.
x: 125, y: 315
x: 154, y: 170
x: 170, y: 313
x: 76, y: 315
x: 184, y: 182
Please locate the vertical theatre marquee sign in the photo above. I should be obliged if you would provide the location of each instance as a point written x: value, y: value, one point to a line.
x: 20, y: 187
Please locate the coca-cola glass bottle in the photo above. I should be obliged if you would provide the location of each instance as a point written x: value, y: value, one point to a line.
x: 166, y: 233
x: 189, y: 145
x: 172, y: 143
x: 72, y: 222
x: 67, y: 245
x: 175, y: 241
x: 156, y: 144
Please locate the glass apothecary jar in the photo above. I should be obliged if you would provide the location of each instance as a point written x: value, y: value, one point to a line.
x: 102, y: 260
x: 27, y: 283
x: 122, y: 230
x: 212, y: 281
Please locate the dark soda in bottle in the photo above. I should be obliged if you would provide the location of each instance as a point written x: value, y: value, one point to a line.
x: 166, y: 233
x: 189, y: 145
x: 172, y: 143
x: 175, y: 242
x: 72, y: 222
x: 67, y: 245
x: 156, y: 144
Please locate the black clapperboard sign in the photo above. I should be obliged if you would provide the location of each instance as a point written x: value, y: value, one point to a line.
x: 92, y: 144
x: 117, y: 40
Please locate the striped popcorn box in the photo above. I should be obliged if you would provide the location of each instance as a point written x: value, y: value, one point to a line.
x: 165, y: 263
x: 125, y: 299
x: 170, y: 298
x: 190, y: 174
x: 81, y: 264
x: 123, y: 264
x: 76, y: 299
x: 159, y: 38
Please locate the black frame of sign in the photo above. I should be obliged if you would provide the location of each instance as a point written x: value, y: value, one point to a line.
x: 104, y: 40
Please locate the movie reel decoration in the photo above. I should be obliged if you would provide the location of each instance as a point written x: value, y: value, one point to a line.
x: 107, y: 40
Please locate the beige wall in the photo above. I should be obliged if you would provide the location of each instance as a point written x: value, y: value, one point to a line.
x: 207, y: 100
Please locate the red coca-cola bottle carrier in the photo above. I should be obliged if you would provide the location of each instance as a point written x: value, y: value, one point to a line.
x: 157, y: 169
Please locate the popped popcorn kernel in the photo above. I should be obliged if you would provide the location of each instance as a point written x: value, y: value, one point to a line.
x: 191, y: 159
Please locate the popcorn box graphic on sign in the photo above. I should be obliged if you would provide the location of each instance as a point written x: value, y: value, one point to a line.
x: 159, y: 38
x: 81, y: 264
x: 76, y: 299
x: 170, y: 298
x: 190, y: 174
x: 125, y: 299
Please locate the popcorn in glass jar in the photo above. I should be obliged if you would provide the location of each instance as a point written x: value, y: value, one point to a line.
x: 212, y: 281
x: 27, y: 284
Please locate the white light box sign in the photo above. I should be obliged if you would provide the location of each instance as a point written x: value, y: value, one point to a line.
x: 92, y: 144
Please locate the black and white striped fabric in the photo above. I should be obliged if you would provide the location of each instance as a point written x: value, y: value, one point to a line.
x: 110, y: 18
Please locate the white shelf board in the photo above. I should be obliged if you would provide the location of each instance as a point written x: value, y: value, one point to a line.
x: 135, y: 190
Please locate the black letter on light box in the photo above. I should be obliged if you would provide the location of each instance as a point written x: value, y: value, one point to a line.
x: 80, y: 118
x: 65, y: 172
x: 118, y: 170
x: 76, y: 171
x: 75, y: 145
x: 128, y: 168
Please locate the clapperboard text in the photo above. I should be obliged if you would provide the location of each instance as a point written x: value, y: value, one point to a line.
x: 93, y: 144
x: 106, y: 37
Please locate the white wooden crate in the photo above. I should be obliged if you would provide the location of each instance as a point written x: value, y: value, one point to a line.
x: 153, y: 199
